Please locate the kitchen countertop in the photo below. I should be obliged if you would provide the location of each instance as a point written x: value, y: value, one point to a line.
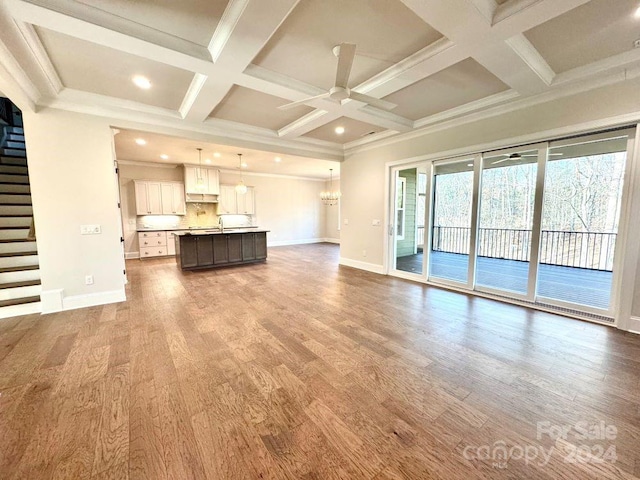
x: 190, y: 229
x: 227, y: 231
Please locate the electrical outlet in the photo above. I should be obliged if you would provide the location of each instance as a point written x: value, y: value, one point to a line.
x: 364, y: 253
x: 88, y: 280
x: 90, y: 229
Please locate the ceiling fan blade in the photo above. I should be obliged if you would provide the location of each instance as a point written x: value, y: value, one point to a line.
x: 287, y: 106
x: 374, y: 102
x: 345, y: 62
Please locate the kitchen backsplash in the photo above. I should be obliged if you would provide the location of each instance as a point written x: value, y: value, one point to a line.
x: 198, y: 215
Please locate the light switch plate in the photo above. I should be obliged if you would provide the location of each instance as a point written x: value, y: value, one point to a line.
x: 90, y: 229
x: 375, y: 222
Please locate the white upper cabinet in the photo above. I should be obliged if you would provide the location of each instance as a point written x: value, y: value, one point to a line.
x: 201, y: 181
x: 159, y: 198
x: 230, y: 202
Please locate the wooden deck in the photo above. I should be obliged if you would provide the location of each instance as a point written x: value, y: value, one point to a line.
x: 575, y: 285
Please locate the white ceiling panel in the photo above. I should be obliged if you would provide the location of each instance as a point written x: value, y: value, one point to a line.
x: 384, y: 31
x: 258, y: 109
x: 105, y: 71
x: 594, y: 31
x: 194, y: 21
x: 461, y: 83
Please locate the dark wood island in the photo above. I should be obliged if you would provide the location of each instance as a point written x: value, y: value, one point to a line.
x: 198, y: 250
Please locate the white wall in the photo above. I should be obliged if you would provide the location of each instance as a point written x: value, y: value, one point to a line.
x: 289, y: 207
x: 73, y: 183
x: 363, y: 173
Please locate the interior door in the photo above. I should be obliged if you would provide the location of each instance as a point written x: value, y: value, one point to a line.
x: 408, y: 227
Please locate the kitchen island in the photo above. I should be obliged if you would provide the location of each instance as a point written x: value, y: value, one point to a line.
x: 211, y: 249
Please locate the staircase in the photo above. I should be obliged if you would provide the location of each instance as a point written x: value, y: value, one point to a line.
x: 19, y: 271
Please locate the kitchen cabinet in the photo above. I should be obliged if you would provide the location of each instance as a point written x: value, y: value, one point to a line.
x: 159, y: 198
x: 201, y: 183
x: 148, y: 198
x: 207, y: 250
x: 172, y: 197
x: 232, y: 203
x: 152, y: 244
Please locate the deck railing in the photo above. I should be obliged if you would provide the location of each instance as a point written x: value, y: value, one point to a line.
x: 591, y: 250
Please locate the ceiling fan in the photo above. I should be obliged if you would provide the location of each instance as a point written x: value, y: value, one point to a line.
x: 514, y: 157
x: 340, y: 91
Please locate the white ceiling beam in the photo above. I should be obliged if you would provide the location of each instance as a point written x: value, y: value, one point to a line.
x: 518, y: 16
x: 242, y: 32
x: 43, y: 61
x: 307, y: 123
x: 473, y: 33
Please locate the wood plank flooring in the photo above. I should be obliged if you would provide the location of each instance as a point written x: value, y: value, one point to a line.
x: 300, y: 369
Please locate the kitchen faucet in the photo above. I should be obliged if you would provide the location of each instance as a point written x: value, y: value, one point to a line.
x: 221, y: 224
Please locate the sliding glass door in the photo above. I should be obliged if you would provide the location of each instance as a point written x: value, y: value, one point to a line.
x: 538, y: 223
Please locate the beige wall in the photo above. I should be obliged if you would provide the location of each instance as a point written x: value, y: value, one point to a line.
x: 289, y: 207
x: 363, y: 173
x: 73, y: 183
x: 332, y: 213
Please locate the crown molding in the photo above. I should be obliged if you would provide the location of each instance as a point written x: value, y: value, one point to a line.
x: 272, y: 175
x: 225, y: 27
x: 193, y: 91
x: 34, y: 44
x: 138, y: 163
x: 22, y: 81
x: 528, y: 53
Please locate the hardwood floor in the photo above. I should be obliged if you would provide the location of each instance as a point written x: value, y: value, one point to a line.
x: 300, y: 369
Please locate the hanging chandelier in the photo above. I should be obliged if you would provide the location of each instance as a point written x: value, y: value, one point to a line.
x: 330, y: 197
x: 241, y: 188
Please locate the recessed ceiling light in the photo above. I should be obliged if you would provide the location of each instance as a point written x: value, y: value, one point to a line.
x: 142, y: 82
x: 208, y: 160
x: 244, y: 165
x: 164, y: 156
x: 141, y: 141
x: 278, y: 159
x: 339, y: 130
x: 469, y: 164
x: 216, y: 154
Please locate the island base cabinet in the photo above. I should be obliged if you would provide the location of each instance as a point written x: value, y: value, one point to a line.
x: 206, y: 251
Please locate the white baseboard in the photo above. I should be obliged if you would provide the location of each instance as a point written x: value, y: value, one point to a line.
x: 634, y: 325
x: 93, y: 299
x: 54, y: 300
x: 131, y: 255
x: 332, y: 240
x: 369, y: 267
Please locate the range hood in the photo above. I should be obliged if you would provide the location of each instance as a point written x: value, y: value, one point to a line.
x: 201, y: 198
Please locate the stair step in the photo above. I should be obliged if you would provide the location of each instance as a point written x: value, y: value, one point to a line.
x: 7, y: 187
x: 18, y: 247
x: 13, y: 161
x: 14, y: 169
x: 18, y: 130
x: 12, y: 152
x: 20, y: 292
x: 20, y: 262
x: 12, y: 144
x: 21, y: 275
x: 14, y: 240
x: 19, y: 301
x: 19, y: 233
x: 17, y: 210
x: 19, y: 268
x: 17, y: 199
x: 14, y: 178
x: 26, y: 283
x: 15, y: 137
x: 15, y: 223
x: 25, y: 253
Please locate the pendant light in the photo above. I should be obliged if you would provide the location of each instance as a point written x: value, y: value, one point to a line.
x: 330, y: 197
x: 241, y: 188
x: 199, y: 177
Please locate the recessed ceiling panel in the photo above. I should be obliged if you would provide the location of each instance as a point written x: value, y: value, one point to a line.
x: 195, y: 20
x: 353, y: 130
x: 178, y: 151
x: 251, y: 107
x: 591, y: 32
x: 461, y: 83
x: 384, y: 31
x: 93, y: 68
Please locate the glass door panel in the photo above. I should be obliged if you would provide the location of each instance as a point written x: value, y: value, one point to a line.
x: 451, y: 220
x: 580, y: 215
x: 410, y: 192
x: 505, y: 222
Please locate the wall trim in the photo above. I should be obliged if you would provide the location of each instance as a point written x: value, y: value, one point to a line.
x: 332, y: 240
x: 369, y: 267
x: 131, y: 255
x: 634, y: 325
x: 51, y: 300
x: 284, y: 243
x: 93, y: 299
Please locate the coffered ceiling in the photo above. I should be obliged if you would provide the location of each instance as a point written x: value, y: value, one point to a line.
x: 222, y: 68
